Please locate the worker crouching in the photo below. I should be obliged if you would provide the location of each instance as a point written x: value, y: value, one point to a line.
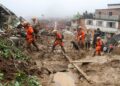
x: 58, y: 40
x: 98, y: 47
x: 30, y: 37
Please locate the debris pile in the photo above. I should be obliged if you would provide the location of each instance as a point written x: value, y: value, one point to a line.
x: 7, y: 18
x: 116, y: 51
x: 16, y: 67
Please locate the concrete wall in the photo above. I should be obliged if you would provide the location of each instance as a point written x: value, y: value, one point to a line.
x: 104, y: 27
x: 82, y: 23
x: 104, y: 14
x: 106, y: 11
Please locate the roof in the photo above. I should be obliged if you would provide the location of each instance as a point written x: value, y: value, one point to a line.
x: 113, y: 4
x: 108, y: 9
x: 116, y: 8
x: 7, y: 11
x: 7, y: 16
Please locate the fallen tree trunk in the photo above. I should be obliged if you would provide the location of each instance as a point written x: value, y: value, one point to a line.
x: 76, y: 66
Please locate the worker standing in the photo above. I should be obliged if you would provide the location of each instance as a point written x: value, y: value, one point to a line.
x: 98, y: 46
x: 81, y: 37
x: 30, y: 37
x: 88, y: 39
x: 36, y: 26
x: 97, y: 33
x: 58, y: 40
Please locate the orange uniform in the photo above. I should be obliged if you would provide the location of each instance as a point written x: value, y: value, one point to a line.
x: 30, y: 32
x: 98, y: 47
x: 81, y: 36
x: 58, y: 40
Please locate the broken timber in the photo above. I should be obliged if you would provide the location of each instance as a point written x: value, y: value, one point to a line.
x: 76, y: 66
x: 84, y: 61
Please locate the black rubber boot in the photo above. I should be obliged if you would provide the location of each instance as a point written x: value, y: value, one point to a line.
x: 53, y: 48
x: 63, y: 49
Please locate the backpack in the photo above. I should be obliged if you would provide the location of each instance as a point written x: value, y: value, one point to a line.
x: 36, y: 29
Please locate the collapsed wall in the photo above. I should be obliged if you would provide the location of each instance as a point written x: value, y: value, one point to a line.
x: 7, y: 17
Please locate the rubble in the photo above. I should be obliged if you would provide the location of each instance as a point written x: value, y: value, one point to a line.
x: 8, y: 20
x: 96, y: 69
x: 89, y: 71
x: 116, y: 51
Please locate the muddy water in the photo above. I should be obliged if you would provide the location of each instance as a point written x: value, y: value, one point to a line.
x: 63, y: 79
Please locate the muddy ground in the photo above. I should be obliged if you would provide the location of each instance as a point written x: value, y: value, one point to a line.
x: 102, y: 71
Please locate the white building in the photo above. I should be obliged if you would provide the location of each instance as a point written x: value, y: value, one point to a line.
x: 108, y: 20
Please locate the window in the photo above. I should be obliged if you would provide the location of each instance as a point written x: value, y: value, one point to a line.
x: 110, y: 13
x: 99, y: 13
x: 89, y: 22
x: 111, y: 24
x: 99, y: 23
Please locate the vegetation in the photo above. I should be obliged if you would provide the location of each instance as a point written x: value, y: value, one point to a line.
x: 11, y: 52
x: 77, y: 16
x: 88, y: 15
x: 21, y: 80
x: 21, y: 77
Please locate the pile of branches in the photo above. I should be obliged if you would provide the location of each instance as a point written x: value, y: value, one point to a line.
x: 16, y: 68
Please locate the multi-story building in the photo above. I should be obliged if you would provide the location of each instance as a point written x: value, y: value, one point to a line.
x: 108, y: 20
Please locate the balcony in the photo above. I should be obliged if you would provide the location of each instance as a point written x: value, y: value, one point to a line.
x: 107, y: 17
x: 104, y: 29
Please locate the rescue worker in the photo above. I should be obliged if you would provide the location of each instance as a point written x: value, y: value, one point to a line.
x: 58, y: 40
x: 97, y: 33
x: 98, y: 46
x: 30, y: 37
x: 81, y: 37
x: 36, y: 26
x: 88, y: 38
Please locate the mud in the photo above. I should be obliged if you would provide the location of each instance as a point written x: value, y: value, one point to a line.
x: 63, y: 79
x: 116, y: 51
x: 106, y: 74
x: 10, y: 67
x: 102, y: 70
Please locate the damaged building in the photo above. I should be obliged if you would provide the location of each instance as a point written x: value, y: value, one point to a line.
x: 7, y: 18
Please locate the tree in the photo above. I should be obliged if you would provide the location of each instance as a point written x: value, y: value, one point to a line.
x: 88, y: 15
x: 77, y: 16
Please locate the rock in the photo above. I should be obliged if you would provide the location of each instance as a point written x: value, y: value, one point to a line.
x: 63, y: 79
x: 46, y: 56
x: 70, y: 66
x: 45, y: 71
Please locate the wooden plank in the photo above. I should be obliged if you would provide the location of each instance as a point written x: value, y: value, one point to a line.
x: 83, y: 61
x: 82, y: 72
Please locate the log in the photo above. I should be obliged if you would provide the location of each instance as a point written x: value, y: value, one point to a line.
x: 76, y: 66
x: 82, y: 72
